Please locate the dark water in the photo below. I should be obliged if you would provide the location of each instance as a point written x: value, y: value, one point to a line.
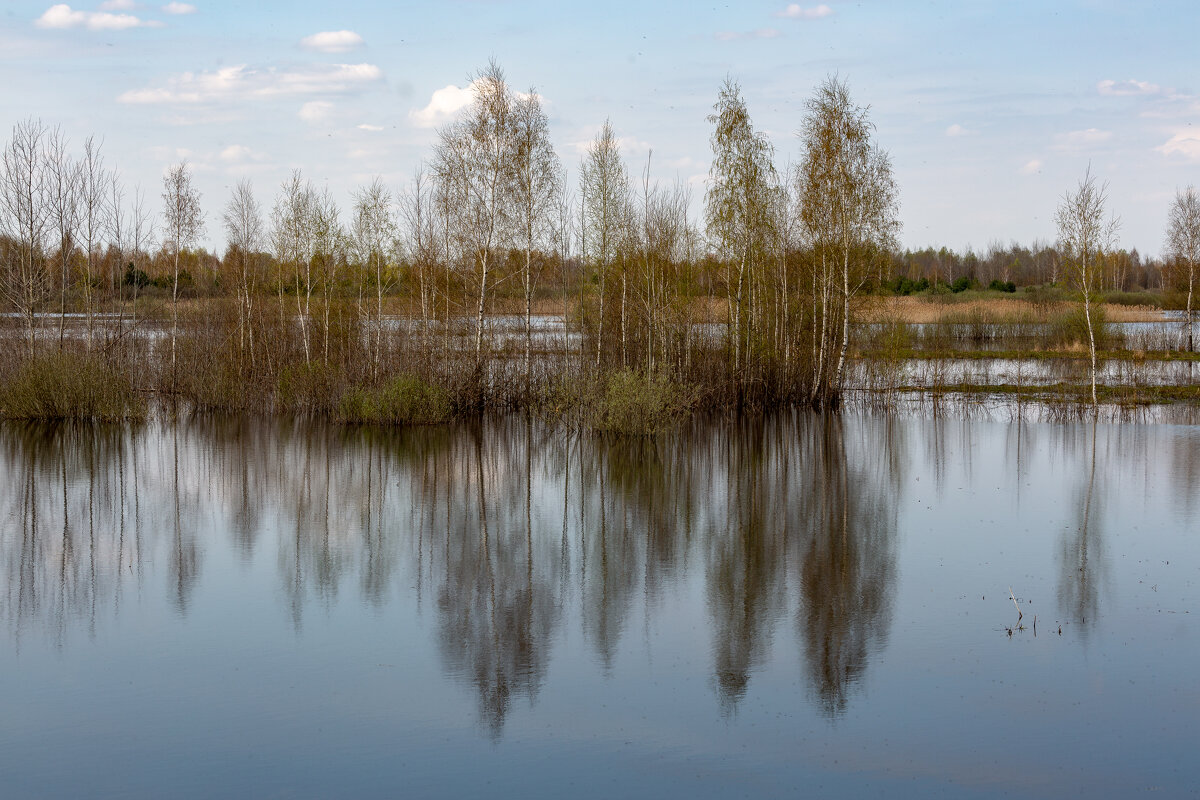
x: 798, y: 606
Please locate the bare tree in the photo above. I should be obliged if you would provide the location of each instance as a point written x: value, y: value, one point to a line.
x: 63, y: 191
x: 848, y: 209
x: 374, y: 234
x: 604, y: 190
x: 330, y: 244
x: 116, y: 223
x: 183, y: 225
x: 537, y: 184
x: 244, y: 230
x: 26, y: 219
x: 564, y: 232
x: 474, y: 163
x: 1084, y: 237
x: 141, y: 226
x: 292, y: 241
x: 419, y: 212
x: 1183, y: 245
x: 93, y: 198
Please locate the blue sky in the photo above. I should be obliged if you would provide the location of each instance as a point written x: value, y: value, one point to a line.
x: 990, y: 110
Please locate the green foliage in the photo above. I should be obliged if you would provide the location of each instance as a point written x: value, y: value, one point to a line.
x: 1071, y: 329
x: 963, y: 283
x: 998, y: 285
x: 135, y: 277
x: 1134, y: 299
x: 167, y: 281
x: 405, y: 400
x: 638, y: 405
x: 60, y: 386
x: 906, y: 286
x: 1042, y: 296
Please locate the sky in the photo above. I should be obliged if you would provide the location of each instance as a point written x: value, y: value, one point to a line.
x: 990, y: 111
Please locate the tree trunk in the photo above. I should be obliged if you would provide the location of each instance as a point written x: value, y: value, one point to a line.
x: 479, y: 314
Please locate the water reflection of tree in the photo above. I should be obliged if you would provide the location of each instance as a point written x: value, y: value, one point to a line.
x: 847, y: 554
x: 1082, y: 565
x: 501, y: 525
x: 747, y: 550
x: 498, y: 602
x: 79, y: 529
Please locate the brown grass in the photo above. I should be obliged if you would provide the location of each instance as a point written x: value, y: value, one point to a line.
x: 931, y: 310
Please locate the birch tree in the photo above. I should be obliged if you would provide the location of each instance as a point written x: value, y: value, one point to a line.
x: 244, y: 233
x: 373, y: 233
x: 848, y: 210
x: 25, y: 218
x: 418, y: 208
x: 474, y: 162
x: 63, y: 193
x: 1086, y: 233
x: 93, y: 199
x: 1183, y: 246
x: 604, y: 190
x: 536, y: 186
x: 291, y: 239
x: 739, y: 204
x: 183, y: 225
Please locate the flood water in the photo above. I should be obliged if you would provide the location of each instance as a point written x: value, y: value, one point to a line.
x: 798, y: 605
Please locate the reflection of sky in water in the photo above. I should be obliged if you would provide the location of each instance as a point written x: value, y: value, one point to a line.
x: 736, y: 608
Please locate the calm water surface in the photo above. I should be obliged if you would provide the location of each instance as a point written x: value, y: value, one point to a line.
x: 800, y: 605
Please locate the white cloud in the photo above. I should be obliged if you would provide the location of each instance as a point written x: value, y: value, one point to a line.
x: 163, y: 153
x: 735, y: 36
x: 118, y: 5
x: 62, y: 16
x: 1031, y: 167
x: 234, y: 153
x: 1184, y: 143
x: 1111, y: 87
x: 368, y: 127
x: 958, y: 130
x: 332, y: 41
x: 241, y: 82
x: 443, y: 105
x: 796, y: 11
x: 315, y: 111
x: 1075, y: 141
x: 179, y: 8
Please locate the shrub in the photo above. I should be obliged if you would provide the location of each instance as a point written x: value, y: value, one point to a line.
x: 1134, y: 299
x: 1044, y: 296
x: 637, y: 405
x: 405, y: 400
x: 60, y: 386
x: 906, y: 286
x: 1071, y: 328
x: 307, y: 388
x: 998, y: 285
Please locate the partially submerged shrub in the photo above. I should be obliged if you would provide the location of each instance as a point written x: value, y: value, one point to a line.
x: 405, y: 400
x: 1071, y: 328
x: 638, y: 405
x: 59, y: 386
x: 308, y: 388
